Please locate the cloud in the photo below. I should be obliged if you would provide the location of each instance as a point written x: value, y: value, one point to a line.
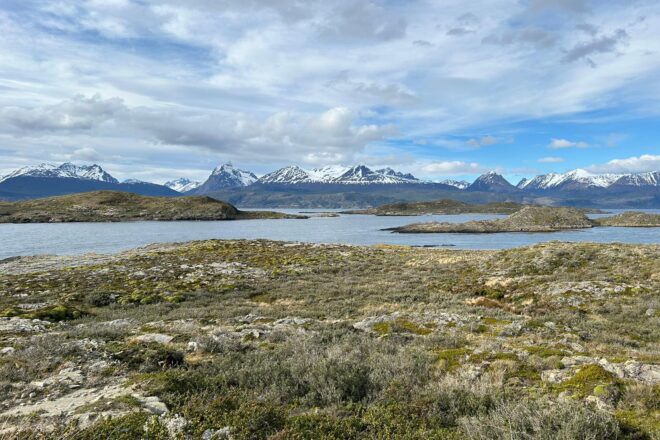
x: 483, y: 141
x: 336, y: 131
x: 565, y: 143
x: 635, y: 164
x: 455, y: 167
x: 77, y: 113
x: 598, y: 45
x: 532, y: 36
x: 571, y: 6
x: 422, y: 43
x: 363, y: 20
x: 465, y: 24
x: 183, y: 83
x: 551, y: 159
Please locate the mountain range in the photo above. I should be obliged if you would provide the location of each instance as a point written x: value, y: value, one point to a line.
x: 340, y: 186
x: 46, y: 180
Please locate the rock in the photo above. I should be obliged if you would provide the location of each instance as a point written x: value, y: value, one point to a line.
x: 555, y: 376
x: 292, y: 321
x: 6, y: 351
x: 192, y: 346
x: 153, y: 404
x: 175, y: 425
x: 642, y: 372
x: 67, y: 376
x: 67, y: 404
x: 154, y: 337
x: 217, y: 434
x: 513, y: 329
x: 573, y: 361
x: 600, y: 403
x: 21, y: 325
x: 650, y: 312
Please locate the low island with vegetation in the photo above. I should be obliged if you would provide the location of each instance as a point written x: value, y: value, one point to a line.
x: 439, y: 207
x: 534, y: 219
x: 631, y: 219
x: 448, y: 207
x: 115, y: 206
x: 269, y: 340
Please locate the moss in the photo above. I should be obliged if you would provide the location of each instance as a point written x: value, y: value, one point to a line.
x: 495, y: 321
x: 55, y: 313
x: 586, y: 379
x: 639, y: 424
x: 546, y: 352
x: 490, y: 356
x: 450, y: 359
x: 382, y: 328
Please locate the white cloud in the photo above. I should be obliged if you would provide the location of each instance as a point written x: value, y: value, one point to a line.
x: 551, y: 159
x: 565, y: 143
x: 635, y: 164
x: 450, y: 168
x: 253, y: 78
x: 483, y: 141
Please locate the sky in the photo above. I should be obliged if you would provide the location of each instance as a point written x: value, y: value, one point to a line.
x: 156, y: 90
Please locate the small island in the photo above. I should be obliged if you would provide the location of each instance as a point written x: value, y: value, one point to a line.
x: 115, y: 206
x: 448, y: 207
x: 631, y: 219
x: 439, y: 207
x: 534, y: 219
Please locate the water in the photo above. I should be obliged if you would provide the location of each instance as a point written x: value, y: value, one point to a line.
x: 78, y: 238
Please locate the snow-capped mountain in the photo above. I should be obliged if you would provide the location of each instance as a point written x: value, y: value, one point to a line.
x: 182, y: 184
x: 581, y: 179
x: 651, y: 178
x: 460, y: 184
x: 288, y: 175
x: 491, y: 181
x: 47, y: 180
x: 225, y: 176
x: 359, y: 174
x: 66, y: 170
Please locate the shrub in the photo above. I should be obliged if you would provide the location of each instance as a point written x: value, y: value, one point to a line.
x: 541, y: 421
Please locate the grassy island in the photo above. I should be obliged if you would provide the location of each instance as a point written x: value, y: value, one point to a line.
x: 534, y: 219
x: 115, y: 206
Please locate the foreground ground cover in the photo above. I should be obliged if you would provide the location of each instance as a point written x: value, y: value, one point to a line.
x: 261, y: 339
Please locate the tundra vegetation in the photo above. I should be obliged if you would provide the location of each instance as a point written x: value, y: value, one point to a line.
x: 116, y: 206
x: 270, y: 340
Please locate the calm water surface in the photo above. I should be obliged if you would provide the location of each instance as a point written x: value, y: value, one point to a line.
x: 79, y: 238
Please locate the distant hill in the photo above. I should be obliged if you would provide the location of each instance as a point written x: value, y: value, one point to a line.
x: 116, y: 206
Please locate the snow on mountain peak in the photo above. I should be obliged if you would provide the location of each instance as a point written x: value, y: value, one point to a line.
x: 66, y: 170
x: 460, y: 184
x: 182, y: 184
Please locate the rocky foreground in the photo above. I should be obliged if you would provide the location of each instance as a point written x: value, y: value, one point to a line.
x: 535, y: 219
x: 260, y: 339
x: 116, y: 206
